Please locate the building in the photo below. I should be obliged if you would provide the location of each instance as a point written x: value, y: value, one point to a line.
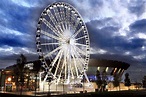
x: 12, y: 80
x: 110, y: 67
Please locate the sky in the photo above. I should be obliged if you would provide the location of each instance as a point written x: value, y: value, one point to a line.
x: 117, y: 30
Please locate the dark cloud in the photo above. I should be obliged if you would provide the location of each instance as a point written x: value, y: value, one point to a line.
x: 138, y: 26
x: 102, y: 37
x: 12, y: 41
x: 136, y: 43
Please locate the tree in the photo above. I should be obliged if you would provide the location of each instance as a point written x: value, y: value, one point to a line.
x: 116, y: 81
x: 127, y: 80
x: 144, y: 82
x: 23, y: 61
x: 19, y: 70
x: 36, y: 69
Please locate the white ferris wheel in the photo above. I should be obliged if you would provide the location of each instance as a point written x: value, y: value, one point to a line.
x: 62, y: 43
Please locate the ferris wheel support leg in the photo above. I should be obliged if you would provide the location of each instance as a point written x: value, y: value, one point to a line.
x: 86, y: 77
x: 41, y: 84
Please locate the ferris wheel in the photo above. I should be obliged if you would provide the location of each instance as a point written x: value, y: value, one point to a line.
x: 62, y: 42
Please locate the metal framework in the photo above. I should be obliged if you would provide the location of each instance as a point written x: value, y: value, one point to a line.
x: 63, y: 43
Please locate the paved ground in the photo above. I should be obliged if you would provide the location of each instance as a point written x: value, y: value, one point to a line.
x: 129, y: 93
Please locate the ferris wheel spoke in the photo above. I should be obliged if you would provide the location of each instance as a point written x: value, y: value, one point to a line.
x: 79, y: 55
x: 51, y: 27
x: 80, y: 51
x: 77, y: 32
x: 70, y: 72
x: 68, y: 14
x: 75, y: 64
x: 65, y: 62
x: 55, y: 59
x: 52, y: 17
x: 63, y: 65
x: 71, y: 69
x: 62, y: 14
x: 59, y: 27
x: 49, y: 43
x: 57, y: 14
x: 73, y: 16
x: 77, y: 23
x: 50, y: 35
x: 54, y: 21
x: 58, y: 64
x: 72, y: 19
x: 58, y: 18
x: 62, y: 26
x: 50, y: 53
x: 81, y: 44
x: 80, y: 38
x: 80, y: 62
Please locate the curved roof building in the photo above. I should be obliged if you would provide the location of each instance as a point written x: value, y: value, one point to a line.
x: 111, y: 67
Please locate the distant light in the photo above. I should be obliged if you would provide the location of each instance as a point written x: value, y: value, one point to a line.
x: 9, y: 79
x: 115, y: 70
x: 106, y: 69
x: 98, y: 68
x: 119, y: 70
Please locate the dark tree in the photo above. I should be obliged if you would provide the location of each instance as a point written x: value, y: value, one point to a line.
x: 116, y: 81
x: 23, y: 61
x: 127, y: 80
x: 144, y: 82
x: 19, y: 71
x: 36, y: 69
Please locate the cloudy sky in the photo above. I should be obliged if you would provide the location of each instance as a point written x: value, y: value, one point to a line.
x: 117, y: 29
